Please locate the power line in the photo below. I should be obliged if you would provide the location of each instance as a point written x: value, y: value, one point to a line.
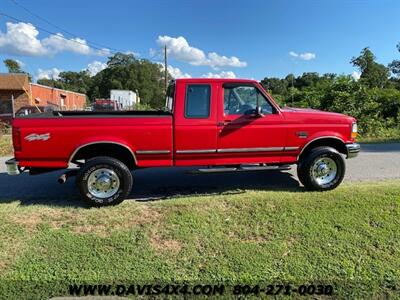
x: 54, y: 33
x: 111, y: 50
x: 60, y: 28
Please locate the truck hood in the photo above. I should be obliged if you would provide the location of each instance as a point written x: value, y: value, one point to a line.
x: 314, y: 112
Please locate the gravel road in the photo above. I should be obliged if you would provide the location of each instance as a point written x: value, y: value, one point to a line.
x: 375, y: 162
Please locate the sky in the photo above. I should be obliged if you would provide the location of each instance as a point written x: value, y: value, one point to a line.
x: 207, y: 38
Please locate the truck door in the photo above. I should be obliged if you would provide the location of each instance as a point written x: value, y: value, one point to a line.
x: 195, y: 130
x: 245, y: 136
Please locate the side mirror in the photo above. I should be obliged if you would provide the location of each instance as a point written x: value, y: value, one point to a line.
x: 259, y: 112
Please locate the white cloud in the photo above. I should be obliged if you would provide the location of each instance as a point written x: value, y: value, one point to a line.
x: 180, y: 49
x: 356, y: 75
x: 56, y: 43
x: 135, y: 54
x: 22, y: 39
x: 177, y: 73
x: 303, y: 56
x: 223, y: 74
x: 95, y: 67
x: 53, y: 73
x: 21, y: 63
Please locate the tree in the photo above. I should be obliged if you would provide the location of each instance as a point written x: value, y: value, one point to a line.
x: 79, y: 82
x: 13, y: 66
x: 373, y: 74
x: 121, y: 59
x: 126, y: 72
x: 394, y: 66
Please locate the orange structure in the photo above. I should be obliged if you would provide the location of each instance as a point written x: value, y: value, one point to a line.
x: 64, y: 100
x: 16, y: 92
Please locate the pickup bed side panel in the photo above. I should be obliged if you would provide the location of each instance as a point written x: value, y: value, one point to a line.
x: 50, y: 142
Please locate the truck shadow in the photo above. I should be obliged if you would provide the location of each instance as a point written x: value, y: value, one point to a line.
x: 149, y: 185
x: 163, y: 184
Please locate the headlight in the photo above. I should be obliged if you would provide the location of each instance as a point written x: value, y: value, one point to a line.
x: 354, y: 130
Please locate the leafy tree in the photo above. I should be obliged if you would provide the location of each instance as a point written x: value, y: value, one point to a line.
x: 373, y: 74
x: 126, y: 72
x: 13, y: 66
x: 394, y: 66
x: 121, y: 59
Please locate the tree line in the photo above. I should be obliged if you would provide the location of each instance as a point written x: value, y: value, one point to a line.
x: 373, y: 98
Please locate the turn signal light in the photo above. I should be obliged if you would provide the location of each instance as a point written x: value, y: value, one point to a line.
x: 16, y: 136
x: 354, y: 130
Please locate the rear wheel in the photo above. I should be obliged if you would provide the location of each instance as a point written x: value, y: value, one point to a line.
x: 104, y: 181
x: 322, y: 169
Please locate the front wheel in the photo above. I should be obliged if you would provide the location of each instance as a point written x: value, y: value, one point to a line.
x: 322, y: 169
x: 104, y: 181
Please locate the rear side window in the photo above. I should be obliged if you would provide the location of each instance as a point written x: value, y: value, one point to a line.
x: 197, y: 104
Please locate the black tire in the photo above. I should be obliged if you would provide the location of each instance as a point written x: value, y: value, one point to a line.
x: 305, y: 169
x: 117, y: 168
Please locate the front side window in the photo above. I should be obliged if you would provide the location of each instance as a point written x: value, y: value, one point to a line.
x: 243, y: 100
x: 197, y: 104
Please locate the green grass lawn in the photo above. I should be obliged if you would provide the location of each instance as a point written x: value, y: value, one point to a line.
x: 5, y: 145
x: 349, y: 237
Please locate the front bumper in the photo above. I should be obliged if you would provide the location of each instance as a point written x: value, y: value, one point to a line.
x: 12, y: 167
x: 352, y: 150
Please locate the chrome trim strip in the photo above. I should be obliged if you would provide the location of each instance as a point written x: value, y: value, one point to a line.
x: 101, y: 142
x: 152, y: 151
x: 291, y: 148
x: 318, y: 138
x: 236, y: 150
x: 196, y: 151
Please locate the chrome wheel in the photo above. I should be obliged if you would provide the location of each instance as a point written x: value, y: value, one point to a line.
x: 103, y: 183
x: 324, y: 170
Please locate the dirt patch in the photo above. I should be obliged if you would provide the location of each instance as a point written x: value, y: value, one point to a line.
x: 104, y: 223
x: 159, y: 244
x: 28, y: 221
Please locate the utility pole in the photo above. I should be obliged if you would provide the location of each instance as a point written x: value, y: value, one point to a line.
x: 165, y: 69
x: 12, y: 106
x: 292, y: 89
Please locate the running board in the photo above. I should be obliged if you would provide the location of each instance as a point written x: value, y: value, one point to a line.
x: 244, y: 168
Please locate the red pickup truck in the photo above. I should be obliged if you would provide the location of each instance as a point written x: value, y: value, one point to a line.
x: 223, y: 124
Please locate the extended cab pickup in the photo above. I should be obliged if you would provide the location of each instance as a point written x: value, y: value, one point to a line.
x: 217, y: 123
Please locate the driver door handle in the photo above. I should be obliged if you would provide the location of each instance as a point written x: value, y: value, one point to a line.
x: 224, y: 123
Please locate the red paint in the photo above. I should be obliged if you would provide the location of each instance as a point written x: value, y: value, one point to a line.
x: 177, y: 133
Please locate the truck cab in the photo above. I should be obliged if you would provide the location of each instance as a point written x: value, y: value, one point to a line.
x: 208, y: 123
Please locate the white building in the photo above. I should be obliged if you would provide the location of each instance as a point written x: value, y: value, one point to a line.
x: 126, y: 99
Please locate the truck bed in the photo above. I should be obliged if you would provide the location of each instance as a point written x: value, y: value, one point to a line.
x: 50, y: 139
x: 84, y: 113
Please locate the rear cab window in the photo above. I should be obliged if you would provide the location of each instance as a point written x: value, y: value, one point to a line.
x: 197, y: 102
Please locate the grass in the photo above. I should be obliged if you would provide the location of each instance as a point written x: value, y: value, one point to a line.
x: 5, y: 145
x: 348, y: 237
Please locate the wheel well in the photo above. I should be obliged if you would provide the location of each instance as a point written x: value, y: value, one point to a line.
x: 330, y: 142
x: 117, y: 151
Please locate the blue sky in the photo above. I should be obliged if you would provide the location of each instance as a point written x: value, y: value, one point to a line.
x: 250, y: 39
